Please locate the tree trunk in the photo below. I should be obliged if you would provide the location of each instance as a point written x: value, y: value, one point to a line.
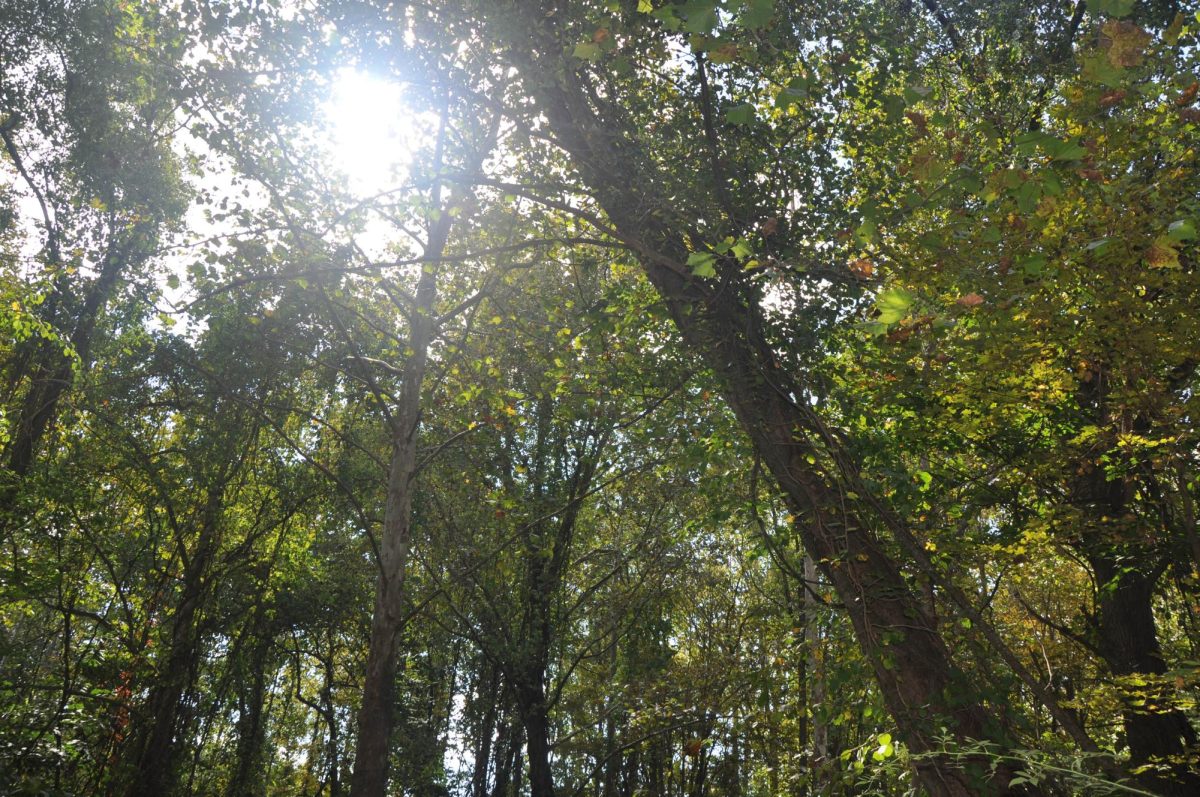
x: 54, y: 375
x: 920, y: 684
x: 154, y: 771
x: 375, y: 716
x: 247, y: 780
x: 537, y: 742
x: 485, y: 731
x: 1155, y: 731
x: 814, y: 670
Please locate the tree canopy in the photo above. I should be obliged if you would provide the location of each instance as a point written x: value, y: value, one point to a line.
x: 695, y: 398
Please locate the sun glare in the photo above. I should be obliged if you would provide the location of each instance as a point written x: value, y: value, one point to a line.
x: 372, y: 132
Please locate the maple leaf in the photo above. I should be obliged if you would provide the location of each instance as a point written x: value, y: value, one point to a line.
x: 1125, y: 42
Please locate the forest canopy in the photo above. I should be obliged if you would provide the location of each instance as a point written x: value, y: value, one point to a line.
x: 599, y: 398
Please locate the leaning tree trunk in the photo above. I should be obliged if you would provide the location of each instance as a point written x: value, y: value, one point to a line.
x: 920, y: 684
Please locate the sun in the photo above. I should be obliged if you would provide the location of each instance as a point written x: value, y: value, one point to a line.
x: 372, y: 132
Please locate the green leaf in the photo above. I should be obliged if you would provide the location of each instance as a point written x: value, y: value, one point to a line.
x: 741, y: 114
x: 1113, y: 8
x: 1034, y: 265
x: 866, y: 233
x: 703, y: 264
x: 1064, y: 150
x: 587, y: 51
x: 893, y: 305
x: 1098, y: 69
x: 1027, y: 196
x: 757, y: 14
x: 668, y: 17
x: 701, y: 15
x: 795, y: 91
x: 893, y: 106
x: 914, y: 94
x: 1181, y: 230
x: 645, y: 7
x: 885, y: 749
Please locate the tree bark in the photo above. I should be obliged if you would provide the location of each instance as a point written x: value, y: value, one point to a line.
x: 1157, y: 733
x: 247, y: 780
x: 537, y: 739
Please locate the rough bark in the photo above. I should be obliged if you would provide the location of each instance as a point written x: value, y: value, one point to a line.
x: 1127, y: 569
x: 532, y: 702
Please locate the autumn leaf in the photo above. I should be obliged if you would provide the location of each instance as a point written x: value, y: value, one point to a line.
x: 1188, y: 94
x: 1162, y: 253
x: 969, y: 300
x: 1125, y: 42
x: 862, y: 268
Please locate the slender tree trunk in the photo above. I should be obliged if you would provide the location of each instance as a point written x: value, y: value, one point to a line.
x: 490, y: 698
x: 247, y: 779
x: 154, y: 773
x: 507, y: 744
x: 375, y: 717
x: 814, y: 669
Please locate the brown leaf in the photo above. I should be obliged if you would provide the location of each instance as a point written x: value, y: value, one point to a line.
x: 1125, y: 42
x: 969, y: 300
x: 862, y: 268
x: 1188, y: 94
x: 919, y: 122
